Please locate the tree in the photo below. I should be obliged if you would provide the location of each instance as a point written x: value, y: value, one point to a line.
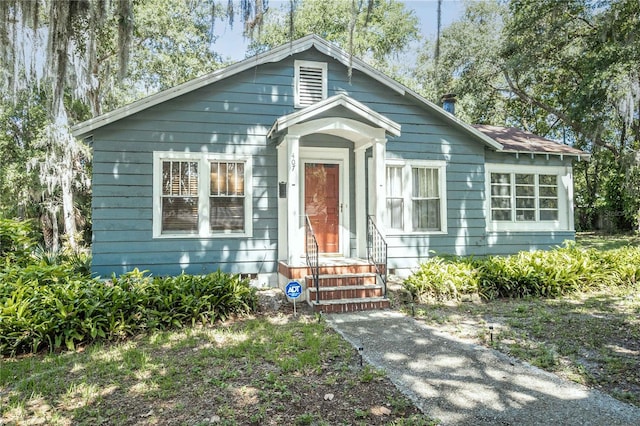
x: 372, y: 31
x: 466, y: 63
x: 86, y: 46
x: 70, y: 29
x: 577, y: 61
x: 565, y: 70
x: 21, y: 120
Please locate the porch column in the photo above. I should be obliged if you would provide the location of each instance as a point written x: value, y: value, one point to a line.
x: 379, y: 180
x: 361, y: 202
x: 283, y: 208
x: 294, y: 237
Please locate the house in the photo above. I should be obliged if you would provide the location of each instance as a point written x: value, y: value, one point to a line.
x: 222, y: 172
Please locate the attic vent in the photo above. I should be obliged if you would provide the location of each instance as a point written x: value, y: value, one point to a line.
x: 310, y: 82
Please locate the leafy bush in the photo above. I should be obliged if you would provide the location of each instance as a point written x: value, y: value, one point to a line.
x: 538, y: 273
x: 624, y: 263
x: 543, y: 273
x: 17, y: 241
x: 443, y: 279
x: 53, y: 306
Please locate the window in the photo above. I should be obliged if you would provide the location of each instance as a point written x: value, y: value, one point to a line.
x: 500, y: 196
x: 310, y: 83
x: 201, y: 195
x: 425, y: 200
x: 179, y: 196
x: 535, y: 197
x: 226, y: 202
x: 395, y: 198
x: 548, y: 197
x: 527, y: 197
x: 415, y: 197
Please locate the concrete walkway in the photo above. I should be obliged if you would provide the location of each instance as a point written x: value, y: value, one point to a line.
x: 460, y: 383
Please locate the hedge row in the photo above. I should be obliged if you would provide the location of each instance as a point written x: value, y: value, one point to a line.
x: 48, y: 307
x: 539, y: 273
x: 49, y: 301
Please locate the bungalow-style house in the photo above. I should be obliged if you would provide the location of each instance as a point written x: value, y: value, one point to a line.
x: 303, y: 156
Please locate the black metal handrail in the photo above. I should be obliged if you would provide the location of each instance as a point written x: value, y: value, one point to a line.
x: 377, y: 251
x: 313, y: 258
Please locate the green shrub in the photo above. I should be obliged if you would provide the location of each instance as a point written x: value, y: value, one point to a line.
x: 17, y: 241
x: 624, y: 263
x: 526, y: 274
x: 443, y: 279
x: 80, y: 261
x: 52, y: 306
x: 187, y: 299
x: 543, y: 273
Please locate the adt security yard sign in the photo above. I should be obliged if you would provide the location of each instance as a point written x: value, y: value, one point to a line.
x: 293, y: 290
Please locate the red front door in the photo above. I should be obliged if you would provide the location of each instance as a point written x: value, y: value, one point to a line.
x: 321, y: 204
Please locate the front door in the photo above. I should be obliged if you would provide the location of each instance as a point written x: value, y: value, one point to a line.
x: 322, y: 204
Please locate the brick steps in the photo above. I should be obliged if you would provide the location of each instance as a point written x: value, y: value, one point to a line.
x: 350, y: 305
x: 347, y: 292
x: 342, y: 280
x: 299, y: 272
x: 345, y: 285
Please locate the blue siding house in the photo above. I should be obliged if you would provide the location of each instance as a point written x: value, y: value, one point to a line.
x: 222, y: 172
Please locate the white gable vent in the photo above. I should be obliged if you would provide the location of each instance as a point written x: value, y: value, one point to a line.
x: 310, y: 82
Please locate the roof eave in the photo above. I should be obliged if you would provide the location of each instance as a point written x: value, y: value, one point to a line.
x: 273, y: 55
x: 351, y: 104
x: 579, y: 155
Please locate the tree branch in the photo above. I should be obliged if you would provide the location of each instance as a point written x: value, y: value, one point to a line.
x: 577, y: 127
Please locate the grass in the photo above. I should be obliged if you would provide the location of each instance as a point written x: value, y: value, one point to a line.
x: 602, y: 241
x: 591, y: 338
x: 266, y: 371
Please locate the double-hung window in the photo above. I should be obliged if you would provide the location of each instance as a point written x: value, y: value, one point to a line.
x: 527, y: 197
x: 179, y: 196
x: 203, y: 195
x: 415, y: 197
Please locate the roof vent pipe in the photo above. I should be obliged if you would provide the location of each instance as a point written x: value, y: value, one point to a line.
x: 449, y: 103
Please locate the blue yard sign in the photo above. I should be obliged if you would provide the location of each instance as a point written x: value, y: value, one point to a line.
x: 293, y: 289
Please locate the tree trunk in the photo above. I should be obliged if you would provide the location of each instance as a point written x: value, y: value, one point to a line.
x: 55, y: 233
x: 66, y: 184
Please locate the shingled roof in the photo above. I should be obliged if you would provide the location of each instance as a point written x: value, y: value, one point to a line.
x: 521, y: 141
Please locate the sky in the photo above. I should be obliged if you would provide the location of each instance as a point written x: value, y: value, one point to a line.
x: 231, y: 44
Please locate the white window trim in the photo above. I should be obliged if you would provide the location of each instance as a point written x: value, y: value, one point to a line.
x: 203, y: 160
x: 565, y: 182
x: 296, y: 80
x: 407, y: 186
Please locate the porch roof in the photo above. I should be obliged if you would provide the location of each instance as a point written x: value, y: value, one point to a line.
x: 334, y: 104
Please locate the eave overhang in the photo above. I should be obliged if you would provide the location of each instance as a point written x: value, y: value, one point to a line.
x: 324, y: 107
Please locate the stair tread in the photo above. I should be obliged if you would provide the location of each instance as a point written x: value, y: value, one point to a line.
x: 347, y: 287
x: 347, y: 275
x: 344, y: 301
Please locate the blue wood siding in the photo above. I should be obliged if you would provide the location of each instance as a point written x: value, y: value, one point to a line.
x: 233, y: 116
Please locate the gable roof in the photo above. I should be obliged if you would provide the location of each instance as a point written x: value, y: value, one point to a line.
x: 520, y: 141
x: 497, y: 138
x: 340, y: 100
x: 275, y: 55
